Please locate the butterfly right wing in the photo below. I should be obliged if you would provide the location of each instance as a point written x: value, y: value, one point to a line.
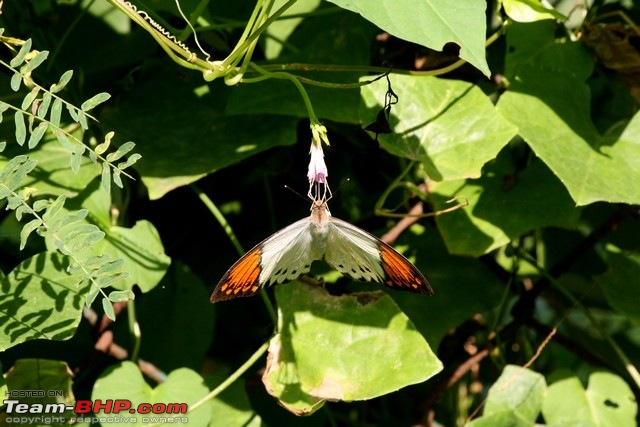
x: 362, y: 256
x: 283, y: 256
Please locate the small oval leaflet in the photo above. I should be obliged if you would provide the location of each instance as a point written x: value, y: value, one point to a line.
x: 92, y: 102
x: 22, y: 54
x: 120, y: 296
x: 64, y: 79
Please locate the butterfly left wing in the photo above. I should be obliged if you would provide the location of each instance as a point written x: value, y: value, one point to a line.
x: 362, y: 256
x: 283, y: 256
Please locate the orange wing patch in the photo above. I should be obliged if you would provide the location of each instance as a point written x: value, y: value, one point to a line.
x: 242, y: 279
x: 400, y: 273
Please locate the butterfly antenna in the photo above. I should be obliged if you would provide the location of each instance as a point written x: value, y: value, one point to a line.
x: 296, y: 193
x: 342, y: 185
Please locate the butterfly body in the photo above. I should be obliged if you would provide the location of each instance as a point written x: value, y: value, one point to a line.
x: 289, y: 253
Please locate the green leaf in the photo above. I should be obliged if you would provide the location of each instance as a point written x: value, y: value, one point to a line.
x: 41, y: 204
x: 16, y: 179
x: 53, y: 173
x: 611, y: 399
x: 21, y: 210
x: 529, y: 11
x: 54, y: 208
x: 22, y: 54
x: 31, y: 96
x: 56, y: 112
x: 122, y: 150
x: 64, y: 79
x: 318, y: 353
x: 232, y: 407
x: 501, y: 207
x: 16, y: 80
x: 125, y: 381
x: 519, y: 391
x: 3, y: 107
x: 142, y: 250
x: 13, y: 164
x: 453, y: 137
x: 117, y: 179
x: 43, y: 108
x: 73, y: 112
x: 34, y: 62
x: 281, y: 29
x: 619, y: 283
x: 566, y: 402
x: 607, y: 402
x: 431, y: 24
x: 120, y: 296
x: 21, y: 129
x: 40, y: 300
x: 52, y: 377
x: 130, y: 161
x: 163, y: 128
x: 76, y: 157
x: 105, y: 281
x: 106, y: 265
x: 94, y: 101
x: 37, y: 134
x: 170, y: 341
x: 549, y: 101
x: 94, y: 291
x: 27, y: 229
x: 107, y: 306
x: 88, y: 240
x: 68, y: 218
x: 82, y: 119
x: 140, y: 246
x: 105, y: 178
x: 14, y: 201
x: 101, y: 148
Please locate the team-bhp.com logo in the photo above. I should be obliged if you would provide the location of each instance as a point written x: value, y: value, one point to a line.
x: 103, y: 411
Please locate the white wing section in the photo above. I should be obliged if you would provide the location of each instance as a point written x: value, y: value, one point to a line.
x: 353, y: 252
x: 287, y: 254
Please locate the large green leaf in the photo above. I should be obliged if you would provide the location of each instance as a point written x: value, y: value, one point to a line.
x: 529, y: 11
x: 608, y: 401
x: 549, y: 101
x: 125, y: 381
x: 611, y: 400
x: 280, y: 30
x: 431, y: 23
x: 39, y: 299
x: 620, y: 283
x: 50, y: 381
x: 514, y: 399
x: 351, y: 347
x: 448, y: 125
x: 182, y: 132
x: 171, y: 341
x: 232, y: 407
x: 502, y: 206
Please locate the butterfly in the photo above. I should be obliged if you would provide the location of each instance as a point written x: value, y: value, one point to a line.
x: 287, y: 254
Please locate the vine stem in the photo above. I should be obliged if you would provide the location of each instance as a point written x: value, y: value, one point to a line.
x: 286, y: 76
x: 227, y: 382
x: 234, y: 240
x: 231, y: 378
